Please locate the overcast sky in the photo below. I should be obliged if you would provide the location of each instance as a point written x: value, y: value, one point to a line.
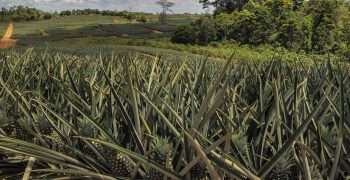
x: 182, y: 6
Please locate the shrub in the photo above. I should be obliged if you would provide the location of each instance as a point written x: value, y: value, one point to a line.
x: 47, y: 16
x: 142, y: 19
x: 207, y: 30
x: 185, y: 34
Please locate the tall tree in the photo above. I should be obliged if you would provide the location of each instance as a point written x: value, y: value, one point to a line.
x: 227, y: 6
x: 325, y: 23
x: 166, y: 7
x: 297, y: 4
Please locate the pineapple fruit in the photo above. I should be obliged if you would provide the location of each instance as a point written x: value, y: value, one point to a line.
x: 199, y: 172
x: 16, y: 130
x: 119, y: 165
x: 161, y: 155
x: 58, y: 144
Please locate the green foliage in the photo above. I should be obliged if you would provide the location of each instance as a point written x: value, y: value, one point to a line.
x: 21, y: 13
x: 185, y: 34
x: 142, y: 19
x: 318, y: 26
x: 75, y: 12
x: 296, y: 33
x: 251, y: 26
x: 326, y: 21
x: 66, y: 13
x: 225, y: 6
x: 130, y: 16
x: 206, y: 29
x: 280, y: 9
x: 297, y: 4
x: 344, y: 45
x: 123, y: 116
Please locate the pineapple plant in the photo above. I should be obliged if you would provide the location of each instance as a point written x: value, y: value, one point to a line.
x: 315, y: 172
x: 58, y: 144
x: 282, y: 171
x: 90, y: 132
x: 73, y: 98
x: 43, y: 127
x: 5, y: 124
x: 162, y: 155
x: 54, y: 138
x: 329, y: 134
x: 199, y: 172
x: 16, y: 130
x: 240, y: 141
x: 118, y: 164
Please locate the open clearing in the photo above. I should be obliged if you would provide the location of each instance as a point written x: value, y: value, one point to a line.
x: 84, y: 33
x: 102, y: 32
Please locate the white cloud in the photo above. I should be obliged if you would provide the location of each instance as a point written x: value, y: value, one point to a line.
x: 135, y: 5
x: 73, y: 1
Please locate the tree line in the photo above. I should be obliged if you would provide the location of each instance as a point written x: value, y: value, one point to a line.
x: 21, y: 13
x: 320, y: 26
x: 131, y: 16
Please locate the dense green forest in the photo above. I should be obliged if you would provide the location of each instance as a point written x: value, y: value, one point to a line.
x: 319, y: 26
x: 21, y: 13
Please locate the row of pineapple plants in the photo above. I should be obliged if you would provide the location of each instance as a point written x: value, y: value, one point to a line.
x: 124, y: 116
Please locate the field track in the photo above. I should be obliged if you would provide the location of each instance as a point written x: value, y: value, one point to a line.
x: 6, y: 40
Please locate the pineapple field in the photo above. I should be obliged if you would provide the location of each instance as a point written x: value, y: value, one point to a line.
x: 126, y: 116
